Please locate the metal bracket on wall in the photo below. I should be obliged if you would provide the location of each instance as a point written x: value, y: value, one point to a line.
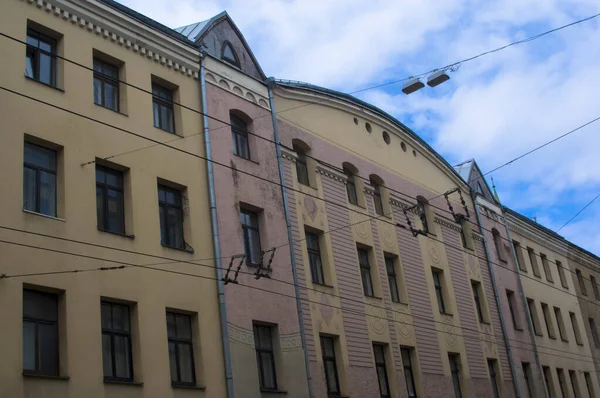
x: 415, y: 232
x: 265, y: 271
x: 457, y: 217
x: 226, y: 278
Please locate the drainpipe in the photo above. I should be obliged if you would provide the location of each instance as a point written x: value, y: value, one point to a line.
x: 497, y: 297
x: 270, y: 84
x: 529, y: 322
x: 215, y: 232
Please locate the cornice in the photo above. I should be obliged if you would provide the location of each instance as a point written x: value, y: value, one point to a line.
x: 331, y: 173
x: 446, y: 223
x: 530, y: 234
x: 289, y: 155
x: 101, y: 20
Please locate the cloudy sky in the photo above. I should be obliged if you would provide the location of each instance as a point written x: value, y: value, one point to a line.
x: 493, y: 109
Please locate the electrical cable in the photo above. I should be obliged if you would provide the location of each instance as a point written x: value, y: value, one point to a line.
x: 579, y: 212
x: 123, y: 265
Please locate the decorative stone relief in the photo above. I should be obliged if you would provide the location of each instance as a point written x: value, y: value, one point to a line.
x: 450, y: 331
x: 376, y: 317
x: 326, y: 309
x: 290, y: 342
x: 238, y: 89
x: 432, y: 249
x: 388, y: 235
x: 403, y: 325
x: 241, y: 335
x: 360, y: 224
x: 311, y: 207
x: 445, y: 223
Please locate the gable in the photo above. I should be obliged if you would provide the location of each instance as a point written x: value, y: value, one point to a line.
x: 479, y: 184
x: 222, y: 37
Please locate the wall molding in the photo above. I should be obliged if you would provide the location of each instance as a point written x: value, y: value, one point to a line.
x: 236, y: 88
x: 331, y: 173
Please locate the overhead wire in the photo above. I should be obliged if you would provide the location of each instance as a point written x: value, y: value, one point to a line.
x: 579, y: 212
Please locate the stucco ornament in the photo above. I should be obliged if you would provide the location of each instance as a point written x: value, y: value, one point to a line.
x: 448, y: 329
x: 403, y: 325
x: 434, y: 254
x: 376, y: 319
x: 388, y: 235
x: 311, y: 207
x: 326, y: 309
x: 361, y: 226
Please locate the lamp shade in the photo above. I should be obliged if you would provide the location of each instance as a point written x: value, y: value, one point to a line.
x: 412, y: 85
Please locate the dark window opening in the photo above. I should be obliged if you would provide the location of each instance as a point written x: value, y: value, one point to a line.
x: 330, y: 365
x: 40, y: 61
x: 40, y: 333
x: 594, y: 332
x: 39, y: 180
x: 162, y: 108
x: 116, y: 342
x: 455, y: 371
x: 229, y: 55
x: 528, y: 378
x: 251, y: 236
x: 106, y: 85
x: 377, y: 199
x: 439, y: 293
x: 409, y: 377
x: 181, y: 349
x: 493, y: 377
x: 381, y: 368
x: 314, y: 258
x: 392, y: 280
x: 109, y: 200
x: 351, y: 188
x: 265, y: 357
x: 171, y: 217
x: 239, y: 134
x: 365, y: 272
x: 476, y: 286
x: 302, y: 168
x: 423, y: 216
x: 510, y: 295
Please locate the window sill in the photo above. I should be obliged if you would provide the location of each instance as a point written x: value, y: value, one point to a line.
x: 580, y: 344
x: 262, y: 390
x: 112, y: 110
x: 125, y: 383
x: 44, y: 215
x: 565, y: 340
x: 44, y: 84
x: 446, y: 313
x: 246, y: 159
x: 485, y: 323
x: 322, y: 285
x: 173, y: 133
x: 552, y: 337
x: 116, y: 233
x: 374, y: 297
x: 519, y: 329
x: 42, y: 376
x: 186, y: 249
x: 539, y: 334
x: 188, y: 386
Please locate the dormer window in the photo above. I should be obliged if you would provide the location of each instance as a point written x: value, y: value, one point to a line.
x: 229, y: 55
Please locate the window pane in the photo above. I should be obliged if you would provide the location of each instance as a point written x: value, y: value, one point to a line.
x: 110, y: 96
x: 184, y: 328
x: 173, y: 361
x: 328, y: 348
x: 100, y: 207
x: 186, y: 364
x: 268, y: 370
x: 175, y: 237
x: 156, y: 114
x: 28, y: 345
x: 29, y: 189
x: 47, y: 193
x: 264, y: 337
x: 330, y: 374
x: 40, y: 157
x: 32, y: 39
x: 381, y: 375
x: 38, y: 305
x: 45, y: 72
x: 107, y: 355
x: 410, y: 386
x: 115, y: 211
x: 171, y: 325
x: 166, y: 118
x: 254, y: 246
x: 48, y: 348
x: 29, y: 62
x: 243, y: 150
x: 163, y: 226
x: 45, y: 46
x: 120, y: 316
x: 122, y: 356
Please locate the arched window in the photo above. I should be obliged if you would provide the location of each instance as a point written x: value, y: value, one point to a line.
x: 239, y: 134
x: 228, y: 54
x: 351, y: 187
x: 301, y: 166
x: 498, y: 244
x: 376, y: 183
x: 422, y: 209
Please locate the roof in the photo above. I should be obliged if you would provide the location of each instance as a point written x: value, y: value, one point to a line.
x: 194, y: 31
x: 148, y: 22
x: 464, y: 169
x: 372, y: 108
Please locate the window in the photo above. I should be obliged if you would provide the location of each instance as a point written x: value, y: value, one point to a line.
x: 548, y: 380
x: 528, y: 379
x: 534, y: 264
x: 392, y: 281
x: 351, y: 188
x: 575, y: 326
x: 581, y: 282
x: 229, y: 55
x: 574, y: 384
x: 181, y: 348
x: 548, y: 321
x: 377, y: 199
x: 594, y: 332
x: 162, y: 108
x: 499, y: 246
x: 439, y: 293
x: 534, y: 317
x: 422, y: 208
x: 455, y: 371
x: 512, y: 304
x: 409, y: 376
x: 301, y: 168
x: 239, y: 134
x: 561, y: 325
x: 477, y: 293
x: 39, y: 180
x: 314, y: 258
x: 171, y: 217
x: 330, y: 365
x: 263, y: 342
x: 519, y: 252
x: 251, y: 236
x: 384, y: 387
x: 365, y: 271
x: 40, y: 333
x: 41, y: 57
x: 116, y: 342
x: 109, y: 200
x: 562, y: 382
x: 492, y: 368
x: 106, y: 85
x: 588, y: 384
x: 561, y: 274
x: 546, y: 266
x: 595, y: 287
x: 466, y: 234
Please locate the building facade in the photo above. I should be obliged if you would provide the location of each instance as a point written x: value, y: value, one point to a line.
x: 98, y: 295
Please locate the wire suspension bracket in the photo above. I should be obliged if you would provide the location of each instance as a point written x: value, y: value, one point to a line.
x: 264, y: 271
x: 457, y: 217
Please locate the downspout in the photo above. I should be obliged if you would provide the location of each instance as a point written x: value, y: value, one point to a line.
x: 529, y: 322
x: 270, y: 84
x: 215, y: 233
x: 497, y: 297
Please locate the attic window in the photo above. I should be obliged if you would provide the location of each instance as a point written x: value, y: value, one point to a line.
x: 229, y: 55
